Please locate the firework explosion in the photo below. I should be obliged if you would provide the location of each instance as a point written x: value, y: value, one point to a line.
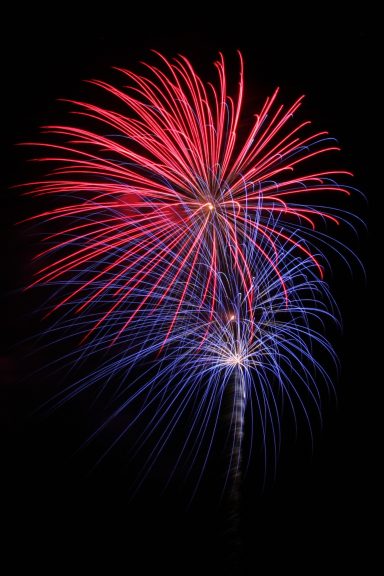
x: 175, y: 237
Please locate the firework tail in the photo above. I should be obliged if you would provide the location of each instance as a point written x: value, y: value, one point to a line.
x: 234, y: 422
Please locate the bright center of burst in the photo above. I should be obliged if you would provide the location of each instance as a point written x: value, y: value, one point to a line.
x: 234, y: 359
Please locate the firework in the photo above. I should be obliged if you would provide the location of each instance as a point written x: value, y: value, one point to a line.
x: 270, y: 355
x: 155, y: 198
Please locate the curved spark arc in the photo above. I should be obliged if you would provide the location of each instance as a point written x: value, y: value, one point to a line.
x: 174, y: 179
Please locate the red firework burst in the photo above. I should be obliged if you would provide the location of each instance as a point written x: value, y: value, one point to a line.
x: 169, y: 186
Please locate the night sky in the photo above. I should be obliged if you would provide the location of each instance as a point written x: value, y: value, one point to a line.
x: 57, y: 509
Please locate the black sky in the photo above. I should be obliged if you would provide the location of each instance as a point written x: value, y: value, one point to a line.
x: 315, y: 511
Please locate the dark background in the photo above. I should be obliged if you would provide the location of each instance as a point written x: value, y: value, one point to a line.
x: 315, y: 511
